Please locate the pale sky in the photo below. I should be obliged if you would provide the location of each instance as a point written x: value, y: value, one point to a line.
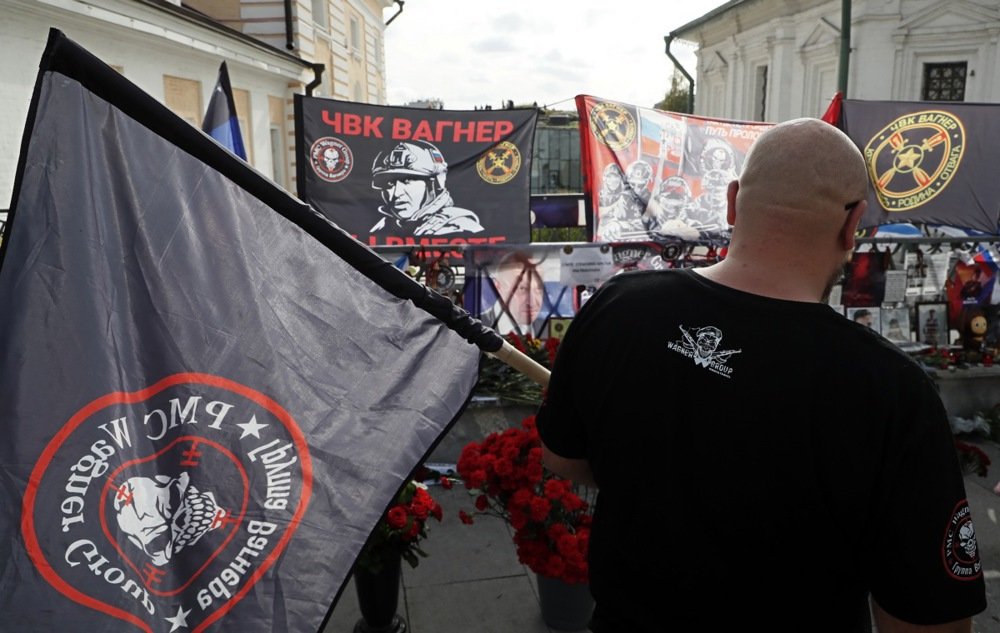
x: 472, y: 53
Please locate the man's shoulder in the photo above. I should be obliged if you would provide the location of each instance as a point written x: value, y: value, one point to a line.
x: 652, y: 281
x: 870, y: 354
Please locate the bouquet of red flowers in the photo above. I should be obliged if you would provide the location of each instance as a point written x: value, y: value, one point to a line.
x: 401, y: 529
x: 551, y: 521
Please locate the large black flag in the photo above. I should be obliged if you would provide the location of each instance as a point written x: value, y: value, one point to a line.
x: 205, y: 404
x: 930, y: 162
x: 393, y: 176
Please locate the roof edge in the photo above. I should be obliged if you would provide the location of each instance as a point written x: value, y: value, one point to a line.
x: 205, y: 21
x: 711, y: 15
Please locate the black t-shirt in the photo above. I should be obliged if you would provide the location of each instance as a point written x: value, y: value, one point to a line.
x: 760, y: 461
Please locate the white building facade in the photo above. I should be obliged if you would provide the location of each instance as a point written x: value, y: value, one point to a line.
x: 773, y: 60
x: 173, y: 49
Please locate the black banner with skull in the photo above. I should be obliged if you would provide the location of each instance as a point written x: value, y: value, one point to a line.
x: 394, y: 176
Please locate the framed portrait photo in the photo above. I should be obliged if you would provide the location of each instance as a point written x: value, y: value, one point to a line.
x: 932, y: 323
x: 866, y: 315
x: 896, y: 324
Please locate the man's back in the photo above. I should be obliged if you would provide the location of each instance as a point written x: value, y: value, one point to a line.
x: 766, y: 459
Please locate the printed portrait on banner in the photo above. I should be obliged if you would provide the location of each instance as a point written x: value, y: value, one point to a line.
x: 399, y: 176
x: 516, y: 290
x: 654, y: 174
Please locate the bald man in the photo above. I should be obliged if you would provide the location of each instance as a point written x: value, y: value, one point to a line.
x: 763, y: 463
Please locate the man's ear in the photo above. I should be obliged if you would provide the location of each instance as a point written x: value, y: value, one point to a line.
x: 731, y: 192
x: 850, y: 228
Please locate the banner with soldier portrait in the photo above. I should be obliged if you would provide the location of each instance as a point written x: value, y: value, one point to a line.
x: 929, y: 162
x: 653, y: 174
x: 394, y: 176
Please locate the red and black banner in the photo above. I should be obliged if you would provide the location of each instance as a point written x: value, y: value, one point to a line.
x: 395, y: 176
x: 207, y: 399
x: 930, y: 162
x: 653, y: 174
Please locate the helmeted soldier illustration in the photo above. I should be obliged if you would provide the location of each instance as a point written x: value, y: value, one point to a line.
x: 411, y: 178
x: 612, y: 185
x: 625, y: 217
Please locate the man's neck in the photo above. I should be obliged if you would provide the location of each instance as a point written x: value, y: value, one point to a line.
x: 788, y: 281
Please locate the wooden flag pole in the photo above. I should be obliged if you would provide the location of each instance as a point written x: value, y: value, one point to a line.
x: 521, y: 362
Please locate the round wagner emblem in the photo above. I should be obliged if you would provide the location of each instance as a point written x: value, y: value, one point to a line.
x: 331, y: 158
x: 613, y: 125
x: 500, y: 163
x: 163, y: 507
x: 912, y: 159
x: 960, y: 549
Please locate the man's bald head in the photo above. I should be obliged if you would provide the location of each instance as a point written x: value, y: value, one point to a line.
x: 795, y: 211
x: 802, y: 165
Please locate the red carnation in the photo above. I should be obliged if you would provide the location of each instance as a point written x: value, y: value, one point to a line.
x: 396, y: 518
x: 540, y: 507
x: 554, y: 488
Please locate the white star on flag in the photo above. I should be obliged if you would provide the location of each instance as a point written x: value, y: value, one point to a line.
x: 251, y: 428
x: 179, y: 620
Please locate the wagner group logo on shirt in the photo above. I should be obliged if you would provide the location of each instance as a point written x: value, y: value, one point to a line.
x: 960, y: 548
x: 701, y: 344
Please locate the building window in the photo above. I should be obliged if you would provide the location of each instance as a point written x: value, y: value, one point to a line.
x: 277, y: 155
x: 320, y: 14
x: 760, y: 94
x: 944, y: 82
x: 183, y: 96
x: 355, y: 35
x: 276, y: 119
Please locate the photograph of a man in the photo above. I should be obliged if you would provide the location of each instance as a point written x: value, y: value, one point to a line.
x: 517, y: 290
x: 870, y: 317
x: 411, y: 180
x: 522, y: 291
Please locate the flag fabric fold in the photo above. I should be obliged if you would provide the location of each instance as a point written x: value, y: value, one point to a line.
x: 208, y: 399
x: 221, y: 122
